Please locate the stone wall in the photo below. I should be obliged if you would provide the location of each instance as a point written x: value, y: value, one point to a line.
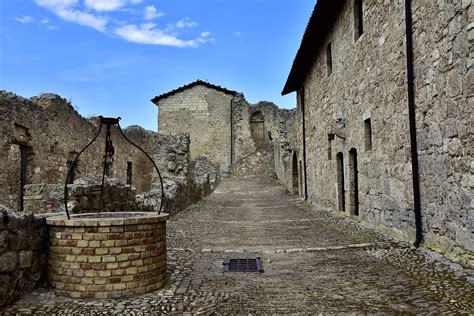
x: 443, y: 48
x: 270, y: 124
x: 53, y: 133
x: 242, y: 138
x: 284, y: 148
x: 356, y: 123
x: 205, y: 114
x: 23, y: 254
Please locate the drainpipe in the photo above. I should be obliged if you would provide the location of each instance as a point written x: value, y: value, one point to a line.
x: 232, y: 130
x: 412, y: 121
x: 304, y: 144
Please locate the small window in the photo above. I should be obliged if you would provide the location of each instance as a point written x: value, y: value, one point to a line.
x: 368, y: 134
x: 129, y: 172
x: 329, y: 59
x: 330, y: 139
x: 358, y: 18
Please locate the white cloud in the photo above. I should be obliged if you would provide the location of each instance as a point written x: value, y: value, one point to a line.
x: 148, y: 33
x: 185, y: 23
x: 66, y: 11
x: 24, y: 19
x: 56, y: 4
x: 105, y: 5
x: 151, y: 13
x: 109, y: 5
x: 83, y: 18
x: 48, y: 24
x: 78, y: 11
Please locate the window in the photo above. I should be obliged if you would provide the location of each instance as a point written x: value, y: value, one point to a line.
x: 368, y: 134
x: 329, y: 59
x: 358, y: 18
x: 330, y: 139
x: 129, y: 172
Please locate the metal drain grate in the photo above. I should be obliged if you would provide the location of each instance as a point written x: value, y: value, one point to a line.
x: 243, y: 265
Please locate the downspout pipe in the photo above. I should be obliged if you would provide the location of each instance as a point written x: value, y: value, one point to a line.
x: 412, y: 121
x: 302, y: 96
x: 232, y: 130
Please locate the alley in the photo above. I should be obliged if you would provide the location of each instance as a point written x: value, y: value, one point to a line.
x: 313, y: 262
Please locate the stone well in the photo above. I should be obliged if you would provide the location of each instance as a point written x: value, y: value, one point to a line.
x: 107, y: 255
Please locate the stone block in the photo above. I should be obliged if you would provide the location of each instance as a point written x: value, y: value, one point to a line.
x: 26, y: 259
x: 8, y: 262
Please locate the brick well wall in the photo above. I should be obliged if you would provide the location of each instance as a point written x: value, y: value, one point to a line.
x: 107, y: 258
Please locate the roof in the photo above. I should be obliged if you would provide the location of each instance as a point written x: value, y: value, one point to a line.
x: 191, y: 85
x: 320, y: 22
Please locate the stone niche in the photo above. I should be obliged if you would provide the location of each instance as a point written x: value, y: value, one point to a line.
x: 107, y: 255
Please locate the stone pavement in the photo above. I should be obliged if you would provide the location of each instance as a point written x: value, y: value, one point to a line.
x: 314, y: 262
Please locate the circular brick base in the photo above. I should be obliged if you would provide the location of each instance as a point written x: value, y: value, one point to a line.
x: 107, y: 255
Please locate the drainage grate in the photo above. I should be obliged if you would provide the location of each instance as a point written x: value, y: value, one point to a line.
x: 243, y: 265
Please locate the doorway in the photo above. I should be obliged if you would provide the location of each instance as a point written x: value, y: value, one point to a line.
x: 341, y: 203
x: 295, y: 176
x: 353, y: 183
x: 257, y: 129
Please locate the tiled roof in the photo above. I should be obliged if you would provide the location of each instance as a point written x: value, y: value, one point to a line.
x: 321, y: 21
x: 188, y: 86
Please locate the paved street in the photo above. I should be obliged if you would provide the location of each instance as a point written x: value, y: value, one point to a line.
x: 313, y: 262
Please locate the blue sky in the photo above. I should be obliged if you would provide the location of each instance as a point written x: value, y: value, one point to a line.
x: 111, y: 57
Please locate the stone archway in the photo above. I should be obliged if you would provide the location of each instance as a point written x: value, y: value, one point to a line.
x: 341, y: 203
x: 257, y: 129
x: 353, y: 183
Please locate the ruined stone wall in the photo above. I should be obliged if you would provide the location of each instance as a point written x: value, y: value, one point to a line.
x: 23, y: 253
x: 443, y: 48
x: 242, y: 138
x: 205, y: 114
x: 53, y: 133
x: 283, y: 149
x: 272, y: 131
x: 368, y: 82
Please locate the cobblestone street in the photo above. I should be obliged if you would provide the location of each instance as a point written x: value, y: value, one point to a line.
x: 313, y: 261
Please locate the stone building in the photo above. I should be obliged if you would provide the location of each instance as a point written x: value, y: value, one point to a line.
x: 204, y: 111
x: 222, y: 125
x: 383, y: 125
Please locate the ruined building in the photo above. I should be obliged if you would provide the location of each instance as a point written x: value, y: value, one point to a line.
x: 222, y: 125
x: 383, y: 125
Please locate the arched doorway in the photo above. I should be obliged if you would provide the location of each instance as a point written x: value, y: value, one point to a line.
x: 341, y: 203
x: 353, y: 183
x: 301, y: 178
x: 295, y: 174
x: 257, y: 129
